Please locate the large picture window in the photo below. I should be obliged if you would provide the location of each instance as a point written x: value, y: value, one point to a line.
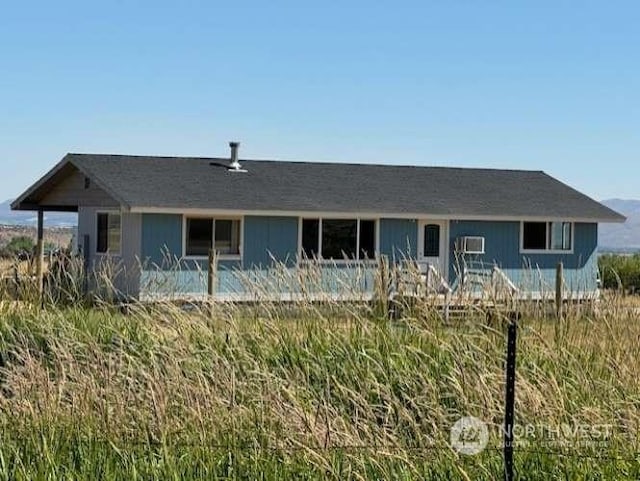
x: 339, y: 239
x: 204, y: 234
x: 547, y: 236
x: 109, y: 233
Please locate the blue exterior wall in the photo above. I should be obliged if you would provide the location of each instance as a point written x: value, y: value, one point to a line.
x: 277, y: 237
x: 270, y: 238
x: 161, y: 238
x: 398, y: 238
x: 530, y: 272
x: 265, y: 239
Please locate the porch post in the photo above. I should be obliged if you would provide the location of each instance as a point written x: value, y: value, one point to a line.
x: 40, y: 253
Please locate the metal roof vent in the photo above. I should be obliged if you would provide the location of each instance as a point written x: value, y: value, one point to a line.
x: 235, y: 164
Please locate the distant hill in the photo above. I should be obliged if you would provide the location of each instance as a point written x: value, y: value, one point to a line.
x: 622, y: 237
x: 52, y: 219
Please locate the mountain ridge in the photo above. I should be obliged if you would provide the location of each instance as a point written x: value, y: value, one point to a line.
x: 621, y: 237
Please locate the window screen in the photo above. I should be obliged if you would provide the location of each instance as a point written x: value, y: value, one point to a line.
x: 227, y: 238
x: 560, y: 238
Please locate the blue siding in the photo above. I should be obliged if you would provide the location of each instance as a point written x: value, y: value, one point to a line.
x: 354, y: 283
x: 161, y: 238
x: 398, y: 238
x: 269, y: 238
x: 531, y: 272
x: 278, y: 237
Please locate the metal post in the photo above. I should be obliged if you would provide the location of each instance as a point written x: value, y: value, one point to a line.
x: 40, y: 254
x: 510, y: 400
x: 559, y: 289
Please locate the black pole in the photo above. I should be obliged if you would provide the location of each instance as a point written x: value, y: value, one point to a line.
x: 510, y: 400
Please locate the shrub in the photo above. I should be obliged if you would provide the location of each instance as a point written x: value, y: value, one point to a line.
x: 620, y: 269
x: 19, y: 245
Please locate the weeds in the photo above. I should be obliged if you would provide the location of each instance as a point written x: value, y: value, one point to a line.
x: 309, y: 391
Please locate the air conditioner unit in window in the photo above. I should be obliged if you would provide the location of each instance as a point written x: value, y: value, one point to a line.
x: 470, y: 245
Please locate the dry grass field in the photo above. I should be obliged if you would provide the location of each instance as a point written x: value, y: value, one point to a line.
x: 59, y: 236
x: 311, y: 391
x: 25, y: 268
x: 6, y: 266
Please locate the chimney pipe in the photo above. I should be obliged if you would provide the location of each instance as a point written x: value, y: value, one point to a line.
x: 234, y: 166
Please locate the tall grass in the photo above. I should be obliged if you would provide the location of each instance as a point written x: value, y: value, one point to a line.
x: 324, y: 390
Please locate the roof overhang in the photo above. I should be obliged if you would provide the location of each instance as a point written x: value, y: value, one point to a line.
x: 373, y: 214
x: 46, y: 208
x: 29, y: 199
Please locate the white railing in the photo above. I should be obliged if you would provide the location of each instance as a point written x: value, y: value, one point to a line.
x: 435, y: 281
x: 500, y: 279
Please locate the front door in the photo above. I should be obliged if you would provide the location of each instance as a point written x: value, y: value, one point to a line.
x: 432, y: 245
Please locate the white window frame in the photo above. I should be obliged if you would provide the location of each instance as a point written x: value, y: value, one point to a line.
x: 109, y: 252
x: 225, y: 257
x: 376, y: 234
x: 547, y: 250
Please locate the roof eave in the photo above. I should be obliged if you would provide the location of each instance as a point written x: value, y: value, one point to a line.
x: 404, y: 215
x: 21, y: 204
x: 614, y: 220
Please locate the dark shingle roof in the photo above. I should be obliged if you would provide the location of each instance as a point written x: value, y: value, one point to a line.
x: 205, y: 183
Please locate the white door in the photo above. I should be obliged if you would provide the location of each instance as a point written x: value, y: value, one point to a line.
x: 432, y: 246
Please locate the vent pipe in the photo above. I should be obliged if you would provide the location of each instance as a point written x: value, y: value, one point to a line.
x: 235, y: 166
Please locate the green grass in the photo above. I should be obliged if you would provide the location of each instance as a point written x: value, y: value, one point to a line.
x: 272, y: 392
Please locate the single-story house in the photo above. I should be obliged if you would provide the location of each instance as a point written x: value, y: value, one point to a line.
x: 159, y: 218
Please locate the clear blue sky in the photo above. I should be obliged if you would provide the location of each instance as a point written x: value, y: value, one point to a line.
x: 535, y: 85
